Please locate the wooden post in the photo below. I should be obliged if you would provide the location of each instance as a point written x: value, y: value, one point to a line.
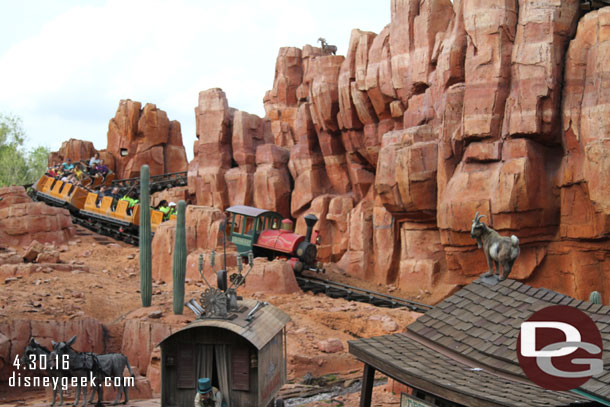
x: 368, y: 378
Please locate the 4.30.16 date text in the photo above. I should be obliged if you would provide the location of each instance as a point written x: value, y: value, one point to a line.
x: 42, y: 362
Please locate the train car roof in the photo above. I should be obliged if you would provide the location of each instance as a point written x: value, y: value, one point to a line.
x: 250, y: 211
x: 267, y: 322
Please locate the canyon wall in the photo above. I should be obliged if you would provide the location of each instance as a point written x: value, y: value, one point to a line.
x: 497, y: 106
x: 492, y: 106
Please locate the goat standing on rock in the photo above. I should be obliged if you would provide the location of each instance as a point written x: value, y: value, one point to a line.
x: 326, y: 48
x: 499, y: 249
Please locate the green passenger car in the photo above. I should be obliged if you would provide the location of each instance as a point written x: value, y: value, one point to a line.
x: 245, y: 223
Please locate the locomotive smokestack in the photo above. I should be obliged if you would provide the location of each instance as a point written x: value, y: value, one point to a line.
x: 310, y: 220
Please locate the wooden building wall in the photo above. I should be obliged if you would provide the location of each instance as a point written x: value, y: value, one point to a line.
x: 271, y: 369
x: 181, y: 366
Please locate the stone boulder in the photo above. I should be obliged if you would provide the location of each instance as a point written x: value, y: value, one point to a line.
x: 330, y: 345
x: 275, y: 277
x: 22, y: 223
x: 272, y: 180
x: 406, y: 171
x: 32, y: 251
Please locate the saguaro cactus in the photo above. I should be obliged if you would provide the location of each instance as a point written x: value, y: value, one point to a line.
x: 179, y: 267
x: 595, y: 297
x: 145, y: 239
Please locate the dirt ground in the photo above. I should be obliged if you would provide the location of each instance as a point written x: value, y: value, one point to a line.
x: 104, y: 283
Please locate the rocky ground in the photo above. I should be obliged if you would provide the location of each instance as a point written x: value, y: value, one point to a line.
x: 98, y: 277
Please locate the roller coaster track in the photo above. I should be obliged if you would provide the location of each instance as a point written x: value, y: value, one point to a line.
x: 351, y: 293
x: 157, y: 182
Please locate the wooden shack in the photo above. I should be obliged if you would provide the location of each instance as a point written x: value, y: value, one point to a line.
x: 245, y: 358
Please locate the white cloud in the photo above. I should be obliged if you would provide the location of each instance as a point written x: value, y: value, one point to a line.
x: 66, y: 77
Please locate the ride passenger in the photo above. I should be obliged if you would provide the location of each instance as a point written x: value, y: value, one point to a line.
x: 163, y: 207
x: 208, y: 396
x: 172, y: 209
x: 101, y: 168
x: 52, y: 172
x: 95, y: 160
x: 115, y: 193
x: 131, y: 198
x: 67, y: 165
x: 79, y: 172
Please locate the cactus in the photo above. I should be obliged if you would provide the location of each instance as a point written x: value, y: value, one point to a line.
x: 595, y: 297
x: 145, y: 239
x: 179, y: 267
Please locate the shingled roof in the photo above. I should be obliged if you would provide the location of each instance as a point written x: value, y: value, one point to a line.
x: 464, y: 349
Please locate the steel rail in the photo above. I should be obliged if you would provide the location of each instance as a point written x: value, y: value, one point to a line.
x: 339, y: 290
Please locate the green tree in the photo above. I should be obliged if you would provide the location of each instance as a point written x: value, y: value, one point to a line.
x: 18, y: 166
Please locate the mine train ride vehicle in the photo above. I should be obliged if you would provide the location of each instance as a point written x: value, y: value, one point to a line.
x: 94, y: 212
x: 267, y: 234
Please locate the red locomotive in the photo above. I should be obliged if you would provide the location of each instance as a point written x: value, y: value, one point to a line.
x: 268, y: 235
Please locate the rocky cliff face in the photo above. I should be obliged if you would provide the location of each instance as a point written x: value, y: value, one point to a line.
x: 495, y: 106
x: 490, y: 106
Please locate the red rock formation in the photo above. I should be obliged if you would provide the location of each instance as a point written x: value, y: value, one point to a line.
x: 213, y: 151
x: 306, y: 163
x: 490, y: 28
x: 412, y: 36
x: 23, y: 221
x: 271, y: 179
x: 76, y: 150
x: 454, y: 107
x: 139, y: 136
x: 271, y: 277
x: 532, y: 107
x: 406, y: 172
x: 140, y: 336
x: 281, y: 101
x: 136, y: 137
x: 358, y: 260
x: 248, y: 134
x: 585, y: 209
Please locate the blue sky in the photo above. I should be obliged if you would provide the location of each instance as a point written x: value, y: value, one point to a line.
x: 64, y: 64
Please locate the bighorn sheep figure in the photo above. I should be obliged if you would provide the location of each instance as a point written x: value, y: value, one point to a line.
x: 499, y: 249
x: 327, y: 49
